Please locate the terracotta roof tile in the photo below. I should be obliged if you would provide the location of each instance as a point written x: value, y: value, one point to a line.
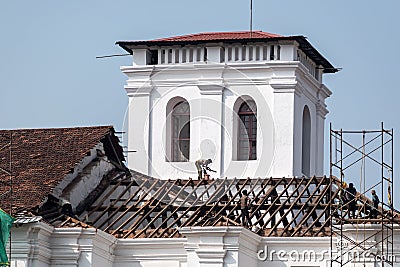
x: 209, y: 36
x: 40, y: 159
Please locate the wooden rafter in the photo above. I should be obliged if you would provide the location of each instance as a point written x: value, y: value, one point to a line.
x: 149, y: 207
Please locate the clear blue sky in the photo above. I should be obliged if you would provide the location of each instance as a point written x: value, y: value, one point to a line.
x: 49, y: 76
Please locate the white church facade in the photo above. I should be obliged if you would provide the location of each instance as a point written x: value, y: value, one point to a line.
x: 254, y: 103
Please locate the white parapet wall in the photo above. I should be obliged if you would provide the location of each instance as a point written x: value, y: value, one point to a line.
x: 39, y: 244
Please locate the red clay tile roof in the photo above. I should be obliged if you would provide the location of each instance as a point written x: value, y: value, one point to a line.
x: 40, y: 160
x: 231, y: 37
x: 210, y: 36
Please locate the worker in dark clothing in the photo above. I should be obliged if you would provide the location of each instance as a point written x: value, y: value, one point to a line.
x: 202, y: 166
x: 375, y: 204
x: 244, y: 206
x: 351, y: 200
x: 274, y: 196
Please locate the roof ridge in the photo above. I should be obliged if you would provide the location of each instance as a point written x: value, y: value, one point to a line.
x: 214, y: 33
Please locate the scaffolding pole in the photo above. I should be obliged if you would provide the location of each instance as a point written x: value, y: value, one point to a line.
x: 374, y: 156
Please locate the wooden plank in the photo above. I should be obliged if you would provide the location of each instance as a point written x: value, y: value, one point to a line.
x: 144, y: 195
x: 106, y: 196
x: 327, y: 220
x: 216, y: 205
x: 233, y: 209
x: 177, y: 219
x: 164, y: 209
x: 147, y: 215
x: 261, y: 201
x: 232, y: 203
x: 112, y: 204
x: 293, y: 203
x: 309, y: 198
x: 313, y: 207
x: 274, y: 202
x: 161, y: 187
x: 229, y: 202
x: 193, y: 216
x: 119, y: 208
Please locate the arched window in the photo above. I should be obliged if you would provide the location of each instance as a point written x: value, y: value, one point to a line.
x: 247, y: 131
x: 306, y: 142
x: 180, y: 131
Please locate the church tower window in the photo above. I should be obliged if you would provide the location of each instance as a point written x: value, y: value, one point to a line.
x: 306, y: 142
x: 180, y: 132
x: 247, y: 132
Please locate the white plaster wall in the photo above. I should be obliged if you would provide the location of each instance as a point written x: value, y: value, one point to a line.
x: 284, y: 122
x: 301, y: 102
x: 309, y: 92
x: 279, y: 88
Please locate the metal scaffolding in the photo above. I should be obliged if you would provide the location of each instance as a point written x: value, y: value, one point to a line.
x: 365, y: 159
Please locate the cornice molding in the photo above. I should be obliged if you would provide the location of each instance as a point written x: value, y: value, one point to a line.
x: 325, y: 90
x: 321, y: 109
x: 283, y: 87
x: 211, y: 256
x: 144, y: 90
x: 308, y: 94
x: 210, y: 89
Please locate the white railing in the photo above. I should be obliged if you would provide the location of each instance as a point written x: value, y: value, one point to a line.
x: 309, y: 64
x: 238, y: 53
x: 231, y: 53
x: 181, y: 55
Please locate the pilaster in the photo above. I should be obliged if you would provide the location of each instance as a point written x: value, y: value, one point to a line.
x: 65, y: 247
x: 211, y: 110
x: 205, y: 246
x: 139, y: 88
x: 30, y: 245
x: 220, y: 246
x: 283, y: 114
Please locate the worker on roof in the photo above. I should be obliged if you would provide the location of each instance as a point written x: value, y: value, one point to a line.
x: 244, y: 206
x: 202, y: 167
x: 351, y: 193
x: 375, y: 204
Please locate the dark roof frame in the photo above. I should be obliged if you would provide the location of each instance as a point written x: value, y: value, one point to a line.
x: 304, y: 45
x: 159, y: 208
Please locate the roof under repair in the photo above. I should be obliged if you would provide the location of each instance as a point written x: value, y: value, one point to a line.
x: 128, y: 204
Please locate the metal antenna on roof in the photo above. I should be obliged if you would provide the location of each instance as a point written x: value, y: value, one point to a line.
x: 119, y: 55
x: 251, y: 18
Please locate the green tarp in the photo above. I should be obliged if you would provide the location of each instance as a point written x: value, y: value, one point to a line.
x: 5, y: 223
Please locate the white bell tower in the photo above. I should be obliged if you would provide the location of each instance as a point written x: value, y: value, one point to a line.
x: 254, y: 105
